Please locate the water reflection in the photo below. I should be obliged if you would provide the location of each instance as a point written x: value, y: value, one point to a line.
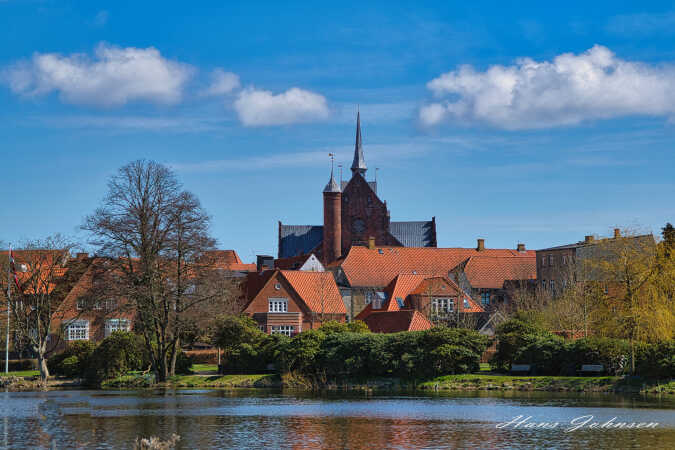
x: 253, y: 419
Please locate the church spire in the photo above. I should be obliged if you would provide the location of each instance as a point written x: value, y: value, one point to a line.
x: 332, y: 185
x: 359, y: 164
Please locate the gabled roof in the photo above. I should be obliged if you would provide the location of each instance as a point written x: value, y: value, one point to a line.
x: 490, y: 272
x: 395, y: 321
x: 317, y: 290
x: 227, y: 260
x: 364, y: 267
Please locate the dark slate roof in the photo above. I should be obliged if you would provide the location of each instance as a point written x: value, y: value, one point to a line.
x: 299, y: 239
x: 413, y: 234
x: 372, y: 184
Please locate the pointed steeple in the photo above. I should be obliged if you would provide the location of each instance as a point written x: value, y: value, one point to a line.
x: 332, y: 185
x: 359, y: 164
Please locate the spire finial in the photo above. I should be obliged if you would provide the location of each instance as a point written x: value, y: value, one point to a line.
x: 332, y: 186
x: 359, y: 164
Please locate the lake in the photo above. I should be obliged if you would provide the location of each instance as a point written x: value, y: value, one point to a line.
x: 255, y: 419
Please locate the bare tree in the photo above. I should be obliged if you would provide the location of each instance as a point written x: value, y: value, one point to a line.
x: 35, y: 296
x: 157, y: 237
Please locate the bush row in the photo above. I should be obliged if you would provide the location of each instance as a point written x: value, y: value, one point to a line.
x: 117, y: 355
x: 549, y: 354
x: 350, y: 350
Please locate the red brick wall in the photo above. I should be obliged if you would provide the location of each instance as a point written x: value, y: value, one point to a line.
x: 332, y: 226
x: 360, y: 202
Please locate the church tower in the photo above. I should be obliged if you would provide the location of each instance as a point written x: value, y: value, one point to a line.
x: 332, y: 220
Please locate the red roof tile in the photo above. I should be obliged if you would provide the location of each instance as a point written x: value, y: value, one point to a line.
x: 490, y: 272
x: 376, y: 267
x: 317, y: 289
x: 395, y: 321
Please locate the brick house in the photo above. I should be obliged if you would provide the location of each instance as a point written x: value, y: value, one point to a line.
x: 559, y: 267
x: 364, y: 273
x: 436, y: 298
x: 290, y: 301
x: 86, y: 315
x: 493, y: 280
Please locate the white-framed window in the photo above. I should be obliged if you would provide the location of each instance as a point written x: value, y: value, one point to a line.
x: 550, y: 260
x: 287, y: 330
x: 442, y: 305
x: 77, y: 331
x: 111, y: 304
x: 552, y: 285
x: 543, y: 284
x: 543, y: 261
x: 277, y: 286
x: 112, y: 325
x: 564, y: 259
x: 81, y: 303
x: 378, y: 299
x: 369, y: 297
x: 485, y: 298
x: 278, y: 305
x: 262, y: 328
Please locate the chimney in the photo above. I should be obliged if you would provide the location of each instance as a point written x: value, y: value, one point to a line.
x: 81, y: 256
x: 588, y: 239
x: 521, y: 248
x: 617, y: 233
x: 264, y: 262
x: 332, y: 221
x: 371, y: 242
x: 481, y: 245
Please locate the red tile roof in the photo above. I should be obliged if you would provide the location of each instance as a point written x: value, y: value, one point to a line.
x: 490, y: 272
x: 227, y: 260
x: 395, y: 321
x: 317, y: 289
x: 376, y: 267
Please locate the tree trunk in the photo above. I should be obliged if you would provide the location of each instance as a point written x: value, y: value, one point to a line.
x: 42, y: 365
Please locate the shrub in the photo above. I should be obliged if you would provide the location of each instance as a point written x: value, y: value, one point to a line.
x: 70, y: 366
x: 231, y: 331
x: 656, y: 360
x: 545, y: 353
x: 613, y: 354
x: 452, y: 359
x: 183, y: 363
x: 300, y: 353
x: 512, y: 336
x: 117, y: 354
x: 82, y: 350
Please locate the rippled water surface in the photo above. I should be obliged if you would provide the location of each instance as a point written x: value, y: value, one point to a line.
x: 246, y: 419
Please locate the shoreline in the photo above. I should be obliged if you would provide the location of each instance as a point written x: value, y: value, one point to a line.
x: 450, y: 383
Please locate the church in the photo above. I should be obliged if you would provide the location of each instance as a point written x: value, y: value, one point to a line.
x: 353, y: 215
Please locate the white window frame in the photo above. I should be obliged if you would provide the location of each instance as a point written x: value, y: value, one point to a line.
x: 77, y: 331
x: 112, y: 325
x: 287, y: 330
x: 277, y: 305
x: 442, y: 305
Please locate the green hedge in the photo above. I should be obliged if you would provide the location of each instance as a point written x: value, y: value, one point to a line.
x: 549, y: 354
x: 341, y: 350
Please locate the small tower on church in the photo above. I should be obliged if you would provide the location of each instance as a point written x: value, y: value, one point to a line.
x: 359, y: 164
x: 332, y: 219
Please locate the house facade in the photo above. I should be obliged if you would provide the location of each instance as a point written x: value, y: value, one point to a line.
x: 290, y: 301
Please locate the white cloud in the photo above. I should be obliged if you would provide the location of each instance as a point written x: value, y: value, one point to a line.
x: 568, y: 90
x: 113, y: 77
x: 222, y: 83
x: 258, y: 107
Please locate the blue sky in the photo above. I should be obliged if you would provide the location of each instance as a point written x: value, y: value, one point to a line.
x: 511, y: 122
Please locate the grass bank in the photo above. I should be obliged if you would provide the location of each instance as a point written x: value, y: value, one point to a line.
x: 472, y: 382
